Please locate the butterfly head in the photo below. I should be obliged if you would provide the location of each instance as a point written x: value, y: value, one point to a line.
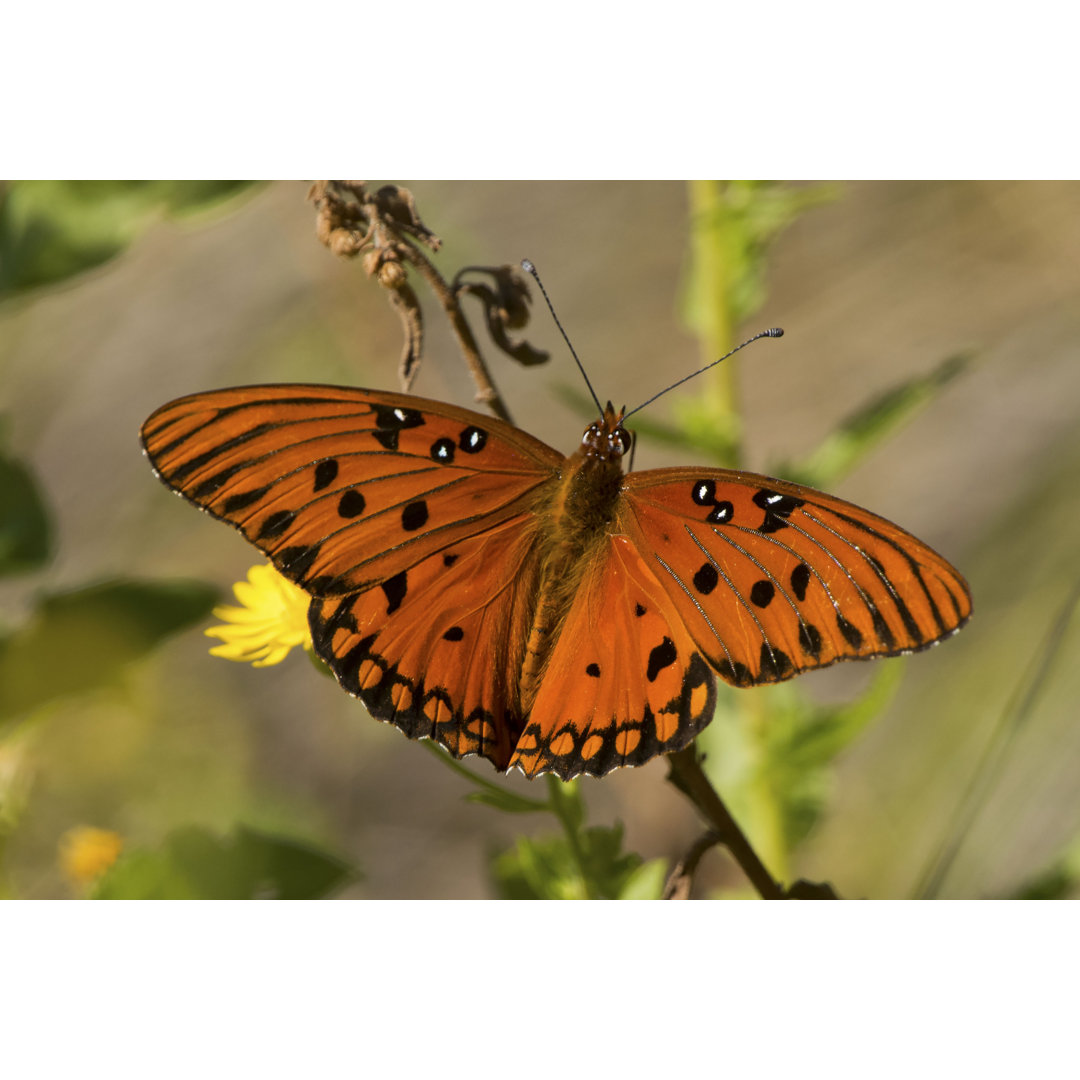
x: 607, y: 439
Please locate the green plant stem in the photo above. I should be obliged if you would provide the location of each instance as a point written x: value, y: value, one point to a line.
x: 710, y: 252
x: 764, y: 808
x: 561, y: 804
x: 478, y: 781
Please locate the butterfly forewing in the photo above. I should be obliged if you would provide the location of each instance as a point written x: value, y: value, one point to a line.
x: 344, y: 488
x: 772, y: 578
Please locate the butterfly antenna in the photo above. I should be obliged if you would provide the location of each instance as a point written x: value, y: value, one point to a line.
x: 774, y: 331
x: 529, y: 268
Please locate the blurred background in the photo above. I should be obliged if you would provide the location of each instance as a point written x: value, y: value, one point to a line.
x: 875, y: 284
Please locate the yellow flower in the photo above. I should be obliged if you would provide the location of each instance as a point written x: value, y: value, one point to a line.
x: 86, y: 853
x: 272, y: 620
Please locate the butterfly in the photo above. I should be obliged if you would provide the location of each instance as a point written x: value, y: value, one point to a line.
x: 474, y: 586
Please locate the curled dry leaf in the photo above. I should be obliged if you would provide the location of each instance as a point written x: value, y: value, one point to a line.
x: 506, y: 307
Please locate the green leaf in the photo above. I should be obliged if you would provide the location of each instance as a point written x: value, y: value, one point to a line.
x: 506, y: 801
x: 774, y: 764
x: 591, y: 865
x: 803, y: 740
x: 840, y: 451
x: 196, y: 864
x: 51, y: 230
x: 81, y: 640
x: 646, y: 882
x: 489, y: 794
x: 25, y: 528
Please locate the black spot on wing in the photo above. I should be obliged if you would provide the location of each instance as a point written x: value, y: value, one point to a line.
x: 706, y: 579
x: 735, y: 672
x: 455, y: 633
x: 325, y: 474
x: 295, y: 562
x: 472, y: 440
x: 593, y: 670
x: 852, y: 634
x: 664, y: 655
x: 391, y: 420
x: 810, y: 639
x: 443, y: 450
x: 777, y: 509
x: 414, y: 516
x: 351, y: 504
x: 800, y: 578
x: 242, y: 500
x: 276, y: 524
x: 762, y: 593
x: 775, y: 663
x: 394, y: 589
x: 218, y: 481
x: 703, y: 492
x: 884, y: 631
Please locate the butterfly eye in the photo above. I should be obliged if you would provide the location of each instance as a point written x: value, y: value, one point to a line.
x: 623, y: 438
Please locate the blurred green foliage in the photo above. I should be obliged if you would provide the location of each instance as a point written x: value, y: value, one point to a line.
x: 52, y: 230
x: 196, y: 864
x: 25, y: 528
x: 591, y: 867
x: 841, y: 450
x: 81, y: 640
x: 732, y: 224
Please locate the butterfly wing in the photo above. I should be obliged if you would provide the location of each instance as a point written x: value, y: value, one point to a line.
x: 441, y: 659
x: 771, y: 578
x: 345, y: 488
x: 410, y: 522
x: 624, y: 681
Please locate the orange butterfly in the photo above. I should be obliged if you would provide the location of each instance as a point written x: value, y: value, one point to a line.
x: 474, y: 586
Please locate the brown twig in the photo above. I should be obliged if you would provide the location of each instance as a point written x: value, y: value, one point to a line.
x: 681, y: 879
x: 688, y: 776
x: 385, y: 227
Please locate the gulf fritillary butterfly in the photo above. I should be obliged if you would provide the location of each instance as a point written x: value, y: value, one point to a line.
x: 474, y: 586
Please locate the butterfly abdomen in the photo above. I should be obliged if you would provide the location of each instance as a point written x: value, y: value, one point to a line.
x: 574, y: 525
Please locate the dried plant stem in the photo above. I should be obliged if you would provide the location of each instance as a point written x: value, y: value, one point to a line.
x: 486, y: 392
x: 690, y: 778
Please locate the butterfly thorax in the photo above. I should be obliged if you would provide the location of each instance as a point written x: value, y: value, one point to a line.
x: 574, y: 525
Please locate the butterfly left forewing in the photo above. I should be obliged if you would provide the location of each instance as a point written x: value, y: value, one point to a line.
x: 344, y: 488
x: 772, y: 578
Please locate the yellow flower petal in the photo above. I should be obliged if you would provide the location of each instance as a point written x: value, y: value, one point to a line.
x: 271, y: 622
x: 86, y: 853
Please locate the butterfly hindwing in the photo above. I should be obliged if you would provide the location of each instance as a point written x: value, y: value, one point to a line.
x: 771, y: 578
x: 344, y: 488
x: 624, y: 681
x: 436, y: 650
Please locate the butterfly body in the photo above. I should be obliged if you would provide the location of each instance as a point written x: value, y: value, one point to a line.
x: 474, y: 586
